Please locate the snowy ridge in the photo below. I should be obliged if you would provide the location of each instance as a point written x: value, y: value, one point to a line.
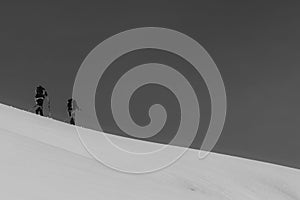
x: 41, y: 158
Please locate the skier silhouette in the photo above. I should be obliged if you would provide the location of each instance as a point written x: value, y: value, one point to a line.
x: 40, y: 95
x: 72, y: 107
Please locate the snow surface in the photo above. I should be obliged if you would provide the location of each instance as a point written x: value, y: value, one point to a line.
x: 41, y: 159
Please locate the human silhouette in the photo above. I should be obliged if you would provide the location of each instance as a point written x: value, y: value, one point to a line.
x: 72, y: 107
x: 40, y: 95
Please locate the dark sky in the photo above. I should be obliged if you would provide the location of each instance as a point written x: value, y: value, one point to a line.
x: 255, y: 44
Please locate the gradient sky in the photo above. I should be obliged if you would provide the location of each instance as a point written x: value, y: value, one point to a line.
x: 255, y: 44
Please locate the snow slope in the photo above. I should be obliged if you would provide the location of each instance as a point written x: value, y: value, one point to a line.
x: 41, y: 158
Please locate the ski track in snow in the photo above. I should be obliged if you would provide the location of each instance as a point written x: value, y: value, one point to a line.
x: 41, y: 158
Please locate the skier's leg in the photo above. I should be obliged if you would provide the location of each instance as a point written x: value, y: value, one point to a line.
x: 72, y: 121
x: 39, y: 111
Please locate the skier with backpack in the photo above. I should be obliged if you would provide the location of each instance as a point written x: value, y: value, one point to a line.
x: 40, y: 95
x: 72, y: 107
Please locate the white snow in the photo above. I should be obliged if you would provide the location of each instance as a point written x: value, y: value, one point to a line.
x: 41, y: 159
